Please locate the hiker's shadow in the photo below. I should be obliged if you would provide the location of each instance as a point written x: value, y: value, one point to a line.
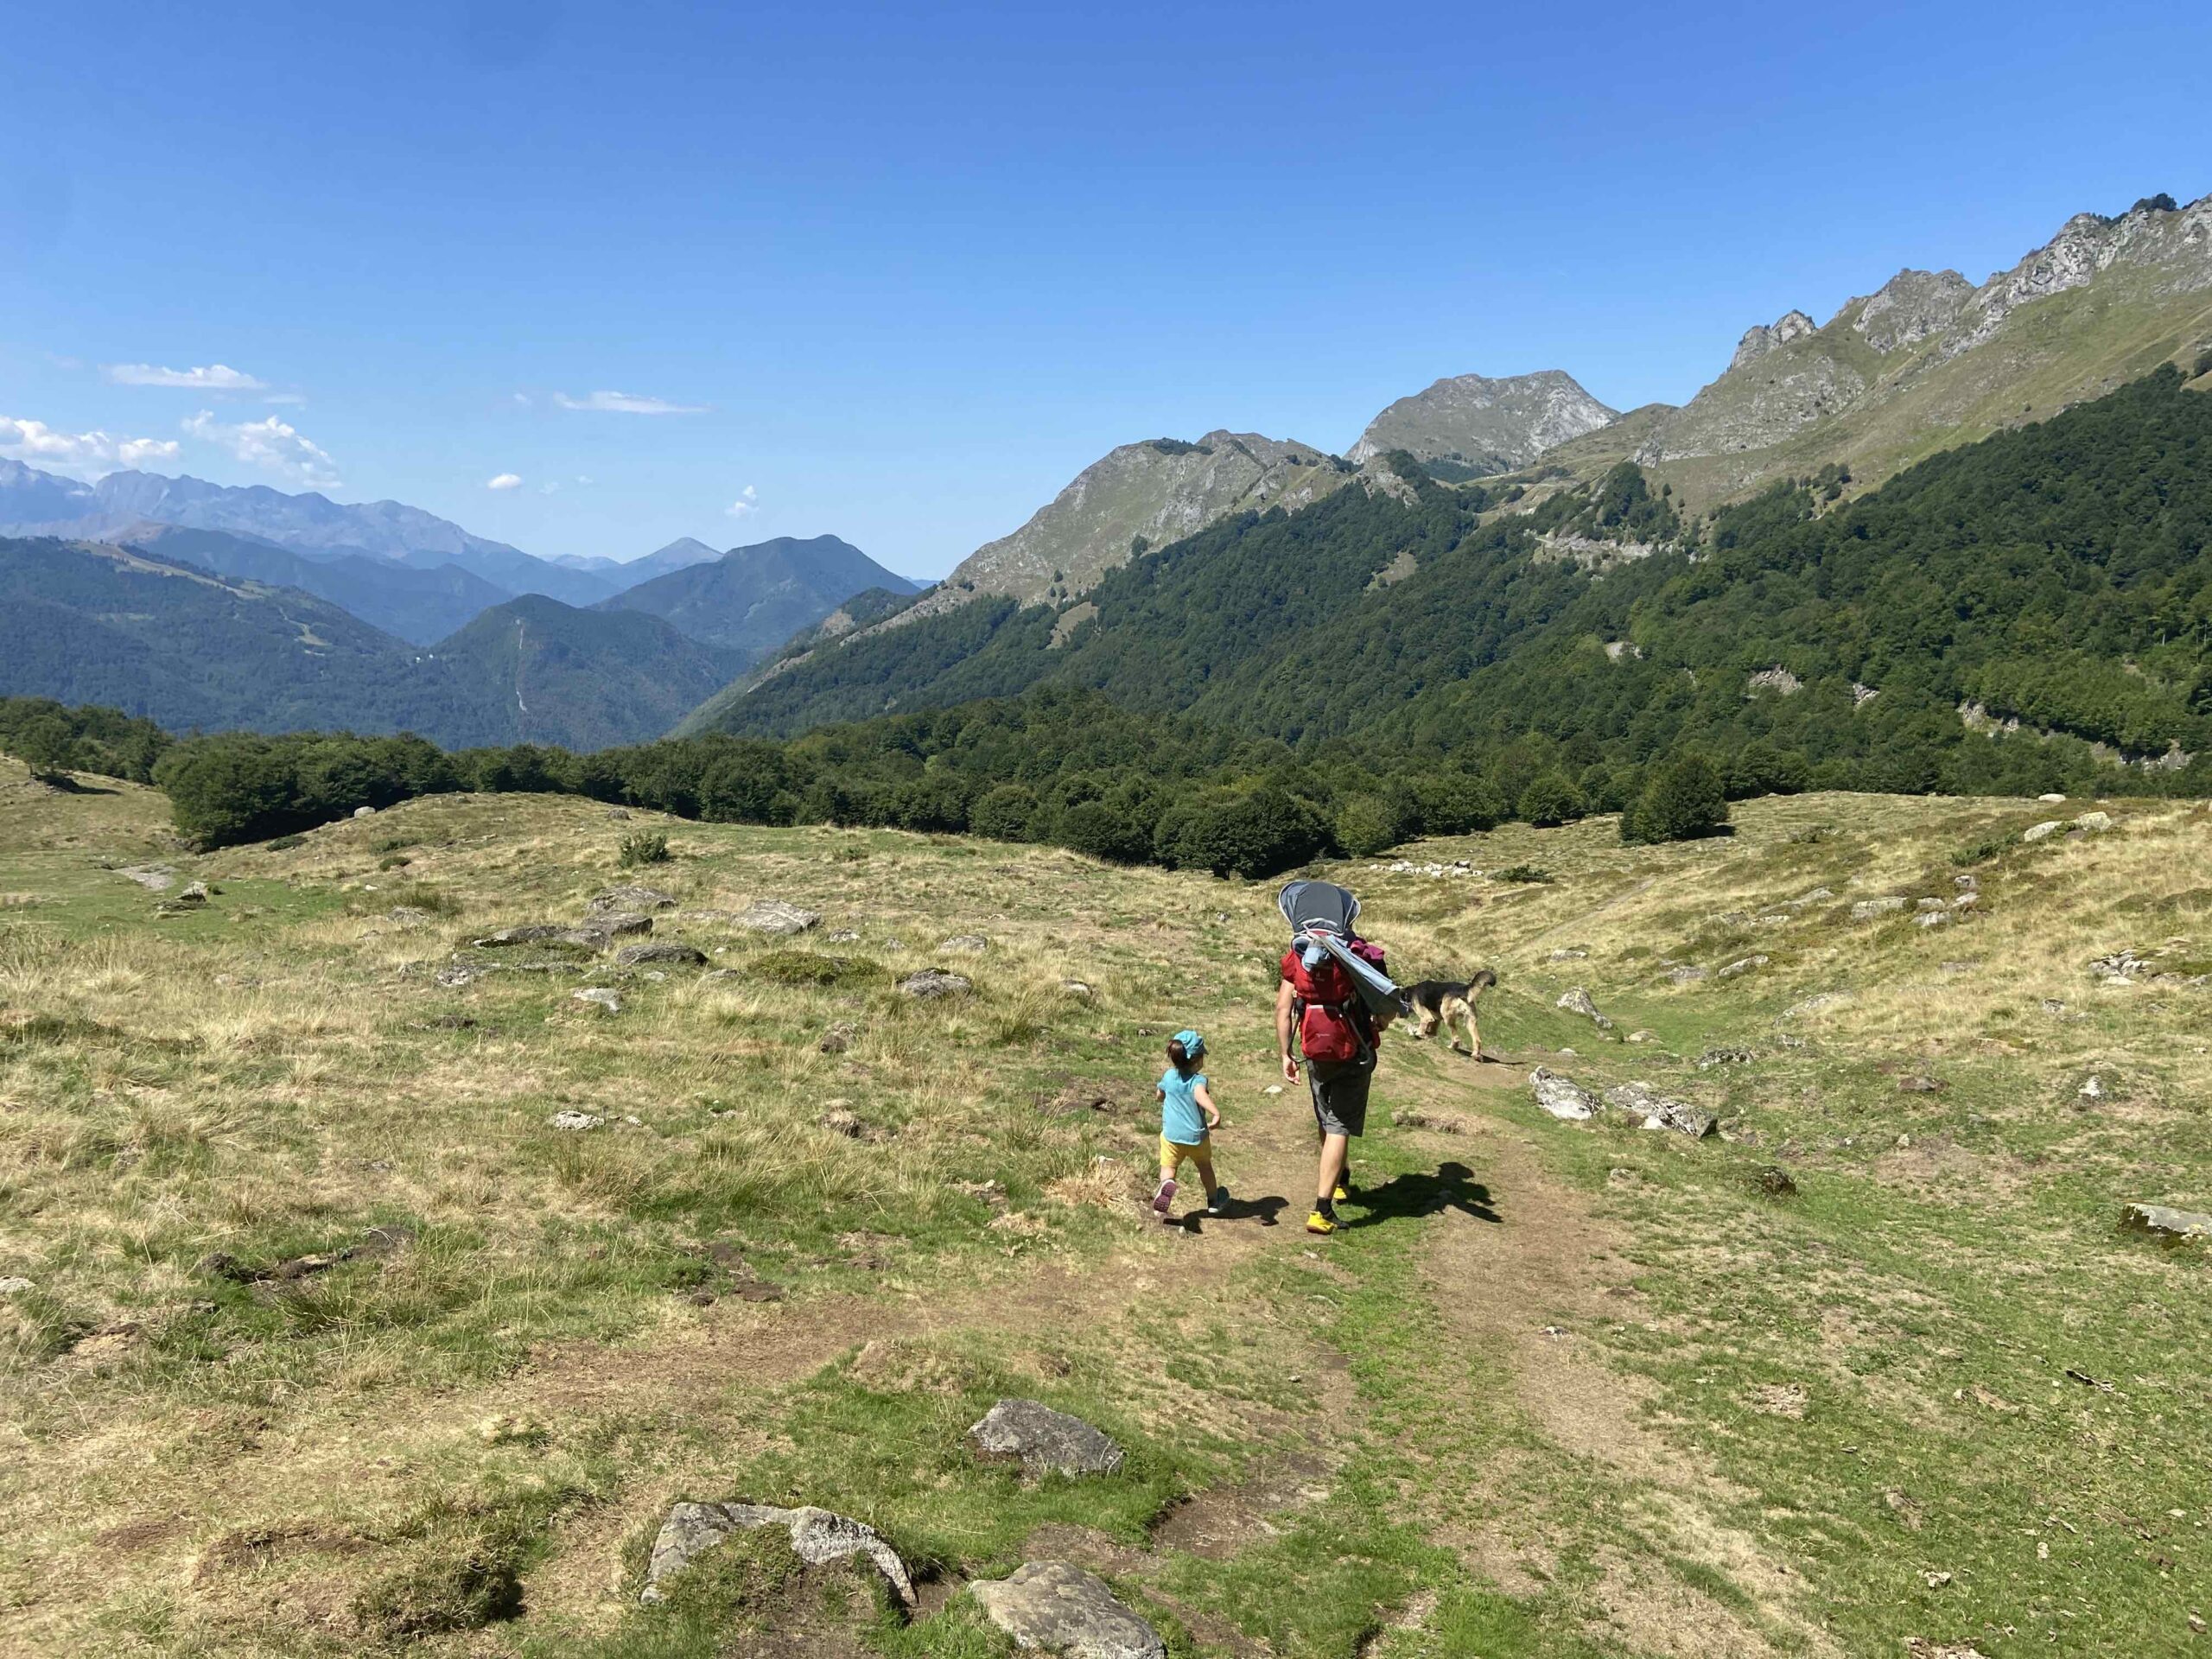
x: 1411, y: 1196
x: 1266, y: 1211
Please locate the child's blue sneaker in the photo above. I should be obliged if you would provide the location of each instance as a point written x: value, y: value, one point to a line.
x: 1163, y: 1200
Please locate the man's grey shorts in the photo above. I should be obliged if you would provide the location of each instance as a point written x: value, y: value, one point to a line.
x: 1339, y: 1089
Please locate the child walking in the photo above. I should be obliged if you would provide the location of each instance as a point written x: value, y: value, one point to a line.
x: 1186, y: 1113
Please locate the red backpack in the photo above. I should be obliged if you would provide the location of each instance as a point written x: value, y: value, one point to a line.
x: 1332, y: 1026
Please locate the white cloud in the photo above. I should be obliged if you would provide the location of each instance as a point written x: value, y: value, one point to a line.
x: 551, y: 486
x: 88, y: 453
x: 290, y: 399
x: 625, y: 403
x: 747, y: 502
x: 503, y: 481
x: 270, y: 444
x: 583, y: 478
x: 215, y: 377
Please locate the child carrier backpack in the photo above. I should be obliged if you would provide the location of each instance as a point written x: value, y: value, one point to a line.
x: 1337, y: 978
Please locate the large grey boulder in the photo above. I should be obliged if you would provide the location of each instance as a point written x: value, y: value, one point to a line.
x: 774, y: 916
x: 1044, y: 1439
x: 2167, y: 1226
x: 817, y: 1536
x: 1562, y: 1096
x: 1052, y: 1607
x: 685, y: 956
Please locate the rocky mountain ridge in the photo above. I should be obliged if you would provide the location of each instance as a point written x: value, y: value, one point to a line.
x: 1487, y: 425
x: 1929, y: 360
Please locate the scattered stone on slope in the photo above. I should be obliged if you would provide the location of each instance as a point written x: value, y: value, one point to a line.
x: 2093, y: 822
x: 933, y: 983
x: 365, y: 812
x: 155, y: 878
x: 1932, y: 918
x: 966, y: 944
x: 1775, y: 1182
x: 819, y: 1536
x: 2168, y: 1226
x: 14, y: 1285
x: 376, y: 1245
x: 629, y: 901
x: 1818, y: 1003
x: 1713, y: 1056
x: 2092, y: 1090
x: 686, y: 955
x: 1915, y: 1083
x: 593, y: 936
x: 599, y: 996
x: 1686, y: 974
x: 1737, y: 969
x: 1076, y: 987
x: 454, y: 975
x: 842, y: 936
x: 1569, y: 953
x: 2122, y: 965
x: 1562, y: 1096
x: 837, y: 1038
x: 1576, y: 1000
x: 1044, y: 1439
x: 575, y: 1120
x: 774, y: 916
x: 1052, y: 1607
x: 1657, y: 1111
x: 407, y: 915
x: 1780, y: 680
x: 2039, y: 831
x: 1867, y: 909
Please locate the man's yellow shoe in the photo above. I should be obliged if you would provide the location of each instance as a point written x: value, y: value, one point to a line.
x: 1317, y: 1223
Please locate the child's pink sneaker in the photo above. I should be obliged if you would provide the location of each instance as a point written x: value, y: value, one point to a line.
x: 1163, y: 1200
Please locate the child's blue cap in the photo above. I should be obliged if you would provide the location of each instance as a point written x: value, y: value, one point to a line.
x: 1193, y: 1045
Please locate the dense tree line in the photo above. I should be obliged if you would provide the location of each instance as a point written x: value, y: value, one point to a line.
x: 52, y: 739
x: 2055, y: 575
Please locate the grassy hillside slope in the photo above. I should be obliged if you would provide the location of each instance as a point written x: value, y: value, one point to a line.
x: 1556, y: 1389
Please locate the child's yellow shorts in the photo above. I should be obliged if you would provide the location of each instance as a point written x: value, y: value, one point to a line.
x: 1173, y: 1153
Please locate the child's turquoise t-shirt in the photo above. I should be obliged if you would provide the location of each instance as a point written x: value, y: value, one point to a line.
x: 1180, y: 1120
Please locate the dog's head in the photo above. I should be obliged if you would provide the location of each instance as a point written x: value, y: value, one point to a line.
x: 1481, y: 977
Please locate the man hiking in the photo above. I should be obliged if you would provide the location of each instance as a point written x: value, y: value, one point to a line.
x: 1333, y: 1001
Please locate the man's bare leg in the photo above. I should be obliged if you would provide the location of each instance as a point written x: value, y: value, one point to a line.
x: 1333, y: 1150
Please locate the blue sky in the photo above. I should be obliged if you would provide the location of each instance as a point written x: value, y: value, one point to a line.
x: 902, y: 271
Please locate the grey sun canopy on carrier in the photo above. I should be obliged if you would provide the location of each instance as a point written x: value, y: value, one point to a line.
x: 1321, y: 914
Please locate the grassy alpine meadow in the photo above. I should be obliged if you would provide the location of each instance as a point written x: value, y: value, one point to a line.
x: 322, y: 1334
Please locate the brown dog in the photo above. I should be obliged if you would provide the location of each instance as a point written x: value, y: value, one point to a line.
x: 1436, y: 1002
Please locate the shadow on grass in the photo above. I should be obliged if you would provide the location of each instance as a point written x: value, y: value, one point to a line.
x: 1411, y: 1196
x: 1268, y: 1211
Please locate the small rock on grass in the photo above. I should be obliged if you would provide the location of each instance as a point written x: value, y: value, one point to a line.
x: 575, y: 1120
x: 933, y: 983
x: 837, y: 1038
x: 773, y: 916
x: 1737, y: 969
x: 966, y: 944
x: 2168, y: 1226
x: 1562, y: 1096
x: 2042, y: 831
x: 1044, y: 1439
x: 600, y: 996
x: 14, y: 1285
x: 1576, y: 1000
x: 1776, y: 1182
x: 629, y: 901
x: 660, y: 950
x: 1054, y: 1607
x: 817, y: 1536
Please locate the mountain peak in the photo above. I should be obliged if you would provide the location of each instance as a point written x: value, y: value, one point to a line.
x: 1494, y: 425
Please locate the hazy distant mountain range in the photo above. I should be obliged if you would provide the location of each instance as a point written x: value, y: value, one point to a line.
x: 751, y: 599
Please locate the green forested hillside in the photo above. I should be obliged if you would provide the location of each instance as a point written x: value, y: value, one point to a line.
x: 2056, y: 574
x: 535, y: 671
